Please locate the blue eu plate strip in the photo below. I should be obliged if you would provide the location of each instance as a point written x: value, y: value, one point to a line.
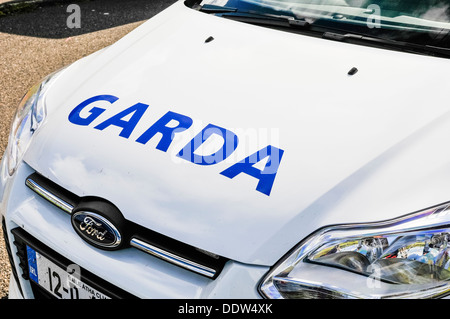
x: 32, y: 264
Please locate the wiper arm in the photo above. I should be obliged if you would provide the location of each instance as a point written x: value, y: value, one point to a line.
x: 254, y: 17
x: 380, y: 42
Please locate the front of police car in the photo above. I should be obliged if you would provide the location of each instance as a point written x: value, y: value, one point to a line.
x: 224, y: 150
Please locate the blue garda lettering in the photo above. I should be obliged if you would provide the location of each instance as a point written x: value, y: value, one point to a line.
x: 127, y: 126
x: 74, y: 116
x: 266, y: 177
x: 230, y: 143
x: 167, y: 132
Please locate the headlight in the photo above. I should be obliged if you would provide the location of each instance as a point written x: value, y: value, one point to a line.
x: 29, y: 117
x: 402, y: 258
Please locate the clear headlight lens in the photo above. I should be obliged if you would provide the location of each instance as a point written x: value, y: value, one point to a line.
x: 29, y: 117
x: 403, y: 258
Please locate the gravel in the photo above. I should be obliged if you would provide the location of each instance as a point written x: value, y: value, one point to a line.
x: 37, y: 42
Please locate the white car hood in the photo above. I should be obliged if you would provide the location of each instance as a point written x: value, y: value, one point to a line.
x: 359, y: 148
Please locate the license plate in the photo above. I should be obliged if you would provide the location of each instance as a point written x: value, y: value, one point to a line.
x: 58, y: 281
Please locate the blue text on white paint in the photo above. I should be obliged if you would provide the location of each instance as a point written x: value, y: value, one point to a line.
x: 134, y: 113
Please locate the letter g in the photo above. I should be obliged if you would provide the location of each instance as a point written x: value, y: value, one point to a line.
x: 75, y: 118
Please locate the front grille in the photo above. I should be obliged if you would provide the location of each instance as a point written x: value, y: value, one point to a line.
x: 22, y: 239
x: 146, y: 240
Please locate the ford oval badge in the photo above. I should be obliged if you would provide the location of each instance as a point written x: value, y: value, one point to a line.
x: 96, y: 230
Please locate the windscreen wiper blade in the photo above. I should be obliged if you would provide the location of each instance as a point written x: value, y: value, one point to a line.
x: 211, y: 8
x: 254, y: 17
x: 380, y: 42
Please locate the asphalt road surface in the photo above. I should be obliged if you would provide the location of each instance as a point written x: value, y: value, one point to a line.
x: 35, y: 41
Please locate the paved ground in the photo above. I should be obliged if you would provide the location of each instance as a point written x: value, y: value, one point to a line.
x: 36, y: 43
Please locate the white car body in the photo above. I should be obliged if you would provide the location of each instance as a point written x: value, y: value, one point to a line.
x: 356, y: 149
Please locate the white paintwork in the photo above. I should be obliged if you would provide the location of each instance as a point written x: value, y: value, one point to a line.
x: 356, y: 148
x: 360, y: 148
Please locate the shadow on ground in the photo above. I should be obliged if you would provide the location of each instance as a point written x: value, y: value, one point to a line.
x: 50, y: 19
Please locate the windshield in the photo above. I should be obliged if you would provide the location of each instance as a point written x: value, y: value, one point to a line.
x: 424, y: 22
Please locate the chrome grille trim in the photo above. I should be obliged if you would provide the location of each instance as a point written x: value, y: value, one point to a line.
x: 66, y: 207
x: 174, y: 259
x: 139, y: 244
